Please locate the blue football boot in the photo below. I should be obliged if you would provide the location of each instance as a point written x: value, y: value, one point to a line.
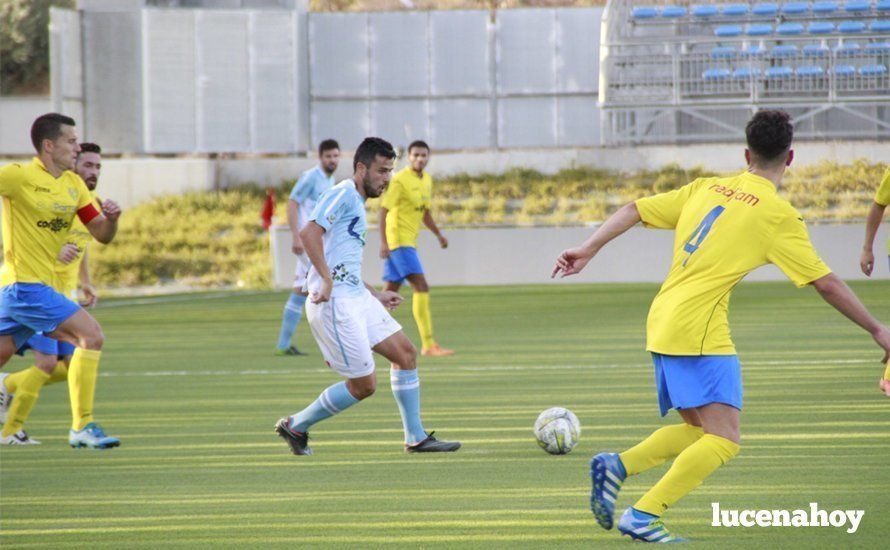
x: 607, y: 473
x: 92, y: 436
x: 644, y: 527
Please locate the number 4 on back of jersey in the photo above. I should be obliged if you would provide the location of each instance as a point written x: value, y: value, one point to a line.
x: 701, y: 232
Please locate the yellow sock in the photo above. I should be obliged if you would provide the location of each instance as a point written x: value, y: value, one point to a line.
x: 14, y: 380
x: 691, y: 467
x: 27, y: 391
x: 59, y: 374
x: 421, y: 307
x: 664, y: 443
x: 82, y: 386
x: 887, y: 371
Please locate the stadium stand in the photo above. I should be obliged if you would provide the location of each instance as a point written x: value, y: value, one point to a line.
x: 675, y: 71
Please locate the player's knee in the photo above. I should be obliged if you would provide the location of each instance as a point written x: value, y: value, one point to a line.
x: 46, y: 363
x: 408, y: 356
x: 6, y: 353
x: 363, y: 390
x: 93, y: 339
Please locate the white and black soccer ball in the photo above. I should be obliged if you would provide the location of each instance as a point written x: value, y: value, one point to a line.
x: 557, y: 430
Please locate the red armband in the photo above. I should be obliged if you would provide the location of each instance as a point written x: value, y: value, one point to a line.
x: 87, y: 213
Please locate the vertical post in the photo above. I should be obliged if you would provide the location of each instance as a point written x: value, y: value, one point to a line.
x: 494, y: 116
x: 302, y: 77
x: 56, y: 61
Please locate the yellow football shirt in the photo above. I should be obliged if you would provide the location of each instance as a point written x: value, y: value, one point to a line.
x: 407, y: 199
x: 68, y: 275
x: 882, y: 197
x: 724, y: 229
x: 38, y: 211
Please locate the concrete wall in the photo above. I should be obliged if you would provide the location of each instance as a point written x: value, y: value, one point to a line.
x: 526, y: 255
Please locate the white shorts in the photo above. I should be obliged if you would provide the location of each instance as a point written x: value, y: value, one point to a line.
x: 346, y: 328
x: 303, y: 265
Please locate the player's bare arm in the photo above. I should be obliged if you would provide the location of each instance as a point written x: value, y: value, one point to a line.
x: 867, y: 259
x: 573, y: 260
x: 431, y: 225
x: 836, y: 292
x: 68, y: 253
x: 103, y: 227
x: 384, y: 245
x: 313, y: 241
x: 91, y: 297
x: 293, y: 220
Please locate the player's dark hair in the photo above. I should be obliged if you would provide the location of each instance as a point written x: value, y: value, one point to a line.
x: 371, y: 148
x: 88, y: 147
x: 769, y: 135
x: 327, y: 145
x: 418, y: 143
x: 48, y: 126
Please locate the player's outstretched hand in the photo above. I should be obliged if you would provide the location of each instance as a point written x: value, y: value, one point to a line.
x: 91, y: 297
x: 384, y: 251
x: 324, y: 293
x: 882, y: 337
x: 68, y: 253
x: 111, y: 210
x: 443, y: 242
x: 867, y: 262
x: 570, y: 262
x: 389, y: 299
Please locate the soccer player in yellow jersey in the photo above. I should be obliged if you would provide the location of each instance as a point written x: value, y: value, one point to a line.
x: 405, y: 204
x: 53, y: 357
x: 724, y: 229
x: 867, y: 260
x: 40, y: 201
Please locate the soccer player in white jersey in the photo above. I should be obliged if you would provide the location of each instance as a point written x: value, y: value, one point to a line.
x: 302, y: 200
x: 348, y: 317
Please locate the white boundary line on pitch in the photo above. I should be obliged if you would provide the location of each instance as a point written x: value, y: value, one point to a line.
x: 148, y: 300
x: 290, y: 371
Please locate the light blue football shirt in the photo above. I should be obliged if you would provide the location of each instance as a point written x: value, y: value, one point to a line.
x: 306, y: 192
x: 341, y: 212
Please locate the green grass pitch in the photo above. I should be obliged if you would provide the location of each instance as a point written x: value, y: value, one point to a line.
x: 191, y: 387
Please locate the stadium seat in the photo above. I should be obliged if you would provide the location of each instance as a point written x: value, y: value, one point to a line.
x: 716, y: 74
x: 844, y: 70
x: 820, y: 27
x: 728, y: 30
x: 824, y: 8
x: 745, y: 73
x: 857, y: 6
x: 673, y: 11
x: 848, y: 27
x: 883, y: 5
x: 872, y: 70
x: 707, y: 11
x: 847, y: 50
x: 810, y: 71
x: 735, y: 10
x: 761, y: 29
x: 776, y: 73
x: 754, y: 50
x: 881, y: 25
x: 878, y: 48
x: 724, y: 52
x: 816, y: 50
x: 789, y: 29
x: 645, y: 12
x: 765, y: 9
x: 784, y: 50
x: 795, y: 8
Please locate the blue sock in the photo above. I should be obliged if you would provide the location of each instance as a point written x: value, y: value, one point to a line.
x: 293, y: 312
x: 333, y: 400
x: 406, y: 389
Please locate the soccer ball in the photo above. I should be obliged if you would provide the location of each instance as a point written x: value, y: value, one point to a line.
x: 557, y: 430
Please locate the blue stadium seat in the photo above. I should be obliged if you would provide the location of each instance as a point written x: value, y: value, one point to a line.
x: 873, y: 70
x: 735, y: 10
x: 765, y: 9
x: 789, y: 29
x: 724, y: 52
x: 745, y: 73
x: 645, y: 12
x: 673, y: 11
x: 821, y: 27
x: 848, y: 27
x: 795, y: 8
x: 708, y: 10
x: 728, y: 30
x: 754, y: 50
x: 761, y: 29
x: 881, y: 25
x: 824, y: 8
x: 816, y: 50
x: 856, y: 6
x: 716, y: 74
x: 810, y: 71
x: 784, y: 50
x: 883, y: 5
x: 844, y: 70
x: 847, y: 50
x: 775, y: 73
x: 878, y: 48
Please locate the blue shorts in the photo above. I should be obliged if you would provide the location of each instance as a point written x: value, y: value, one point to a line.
x: 687, y: 381
x: 27, y: 308
x: 402, y: 261
x: 47, y: 346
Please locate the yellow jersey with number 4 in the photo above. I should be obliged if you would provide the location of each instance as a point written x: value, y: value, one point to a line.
x: 38, y: 211
x: 407, y: 199
x: 882, y: 197
x: 724, y: 229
